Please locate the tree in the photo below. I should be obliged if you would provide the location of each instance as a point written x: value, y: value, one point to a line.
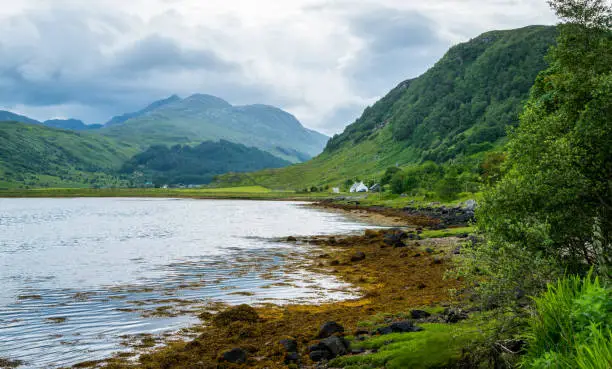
x: 558, y: 181
x: 386, y: 178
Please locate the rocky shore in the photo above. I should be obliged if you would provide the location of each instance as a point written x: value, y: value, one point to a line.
x: 400, y: 273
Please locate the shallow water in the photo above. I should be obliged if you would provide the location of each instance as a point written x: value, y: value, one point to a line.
x: 77, y: 274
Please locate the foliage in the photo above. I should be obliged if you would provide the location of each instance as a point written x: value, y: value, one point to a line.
x: 197, y: 165
x: 389, y: 173
x: 557, y: 184
x: 572, y: 326
x: 37, y: 156
x: 468, y: 99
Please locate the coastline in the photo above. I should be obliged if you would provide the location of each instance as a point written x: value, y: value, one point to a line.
x: 393, y: 278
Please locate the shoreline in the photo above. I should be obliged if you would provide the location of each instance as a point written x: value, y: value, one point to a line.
x: 392, y: 280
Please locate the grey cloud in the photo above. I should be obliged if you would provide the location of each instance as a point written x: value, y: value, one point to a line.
x: 157, y: 52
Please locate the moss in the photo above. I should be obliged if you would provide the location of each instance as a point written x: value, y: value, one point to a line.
x: 437, y: 346
x: 448, y: 232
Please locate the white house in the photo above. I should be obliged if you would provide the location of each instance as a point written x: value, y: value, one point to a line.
x: 359, y: 187
x: 336, y: 190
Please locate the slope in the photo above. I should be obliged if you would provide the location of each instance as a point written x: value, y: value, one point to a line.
x: 35, y: 155
x: 161, y: 165
x: 460, y: 108
x: 201, y: 118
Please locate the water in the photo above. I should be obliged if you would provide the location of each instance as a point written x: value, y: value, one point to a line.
x: 78, y: 274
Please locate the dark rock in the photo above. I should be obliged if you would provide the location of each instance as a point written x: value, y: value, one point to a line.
x: 404, y: 326
x: 235, y: 355
x: 395, y: 237
x: 416, y: 255
x: 291, y: 239
x: 358, y: 256
x: 336, y: 345
x: 320, y: 355
x: 289, y: 344
x: 437, y: 260
x: 317, y: 347
x: 323, y: 256
x: 292, y: 357
x: 421, y: 286
x: 419, y: 314
x: 330, y: 328
x: 454, y: 315
x: 429, y: 250
x: 361, y: 332
x: 334, y: 263
x: 457, y: 250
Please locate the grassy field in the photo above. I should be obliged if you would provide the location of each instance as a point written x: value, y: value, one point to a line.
x: 250, y: 192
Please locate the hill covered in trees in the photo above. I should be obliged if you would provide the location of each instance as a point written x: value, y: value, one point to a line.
x: 182, y: 164
x: 457, y: 111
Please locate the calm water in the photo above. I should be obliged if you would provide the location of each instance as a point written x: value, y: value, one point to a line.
x: 77, y: 274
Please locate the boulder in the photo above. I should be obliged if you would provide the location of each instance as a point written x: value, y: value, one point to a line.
x: 235, y: 355
x: 289, y: 344
x: 330, y: 328
x: 336, y: 345
x: 320, y: 355
x: 292, y: 357
x: 291, y: 239
x: 395, y: 237
x: 469, y: 205
x: 358, y: 256
x: 419, y: 314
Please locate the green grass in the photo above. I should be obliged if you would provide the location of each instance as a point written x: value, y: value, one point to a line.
x: 572, y: 326
x: 448, y: 232
x: 437, y: 346
x: 253, y: 192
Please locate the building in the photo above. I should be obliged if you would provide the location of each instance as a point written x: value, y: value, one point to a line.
x: 359, y: 187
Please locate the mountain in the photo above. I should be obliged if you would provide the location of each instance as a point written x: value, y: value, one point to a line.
x: 71, y: 124
x: 198, y: 164
x: 201, y: 117
x: 127, y: 116
x: 7, y: 116
x: 35, y: 155
x: 459, y: 109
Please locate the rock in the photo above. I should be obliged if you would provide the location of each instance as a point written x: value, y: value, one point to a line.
x: 404, y: 326
x: 429, y: 250
x: 324, y: 256
x: 320, y: 355
x: 470, y: 205
x: 457, y: 250
x: 334, y: 263
x: 291, y: 239
x: 330, y: 328
x: 292, y: 357
x: 437, y: 260
x: 419, y: 314
x: 358, y: 256
x: 336, y: 345
x: 416, y: 255
x: 240, y: 313
x: 421, y: 286
x: 361, y: 332
x: 289, y: 344
x: 454, y: 315
x: 235, y: 355
x: 395, y: 237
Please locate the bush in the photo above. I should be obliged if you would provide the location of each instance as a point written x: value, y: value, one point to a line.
x: 572, y: 327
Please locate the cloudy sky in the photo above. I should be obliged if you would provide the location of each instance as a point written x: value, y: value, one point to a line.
x: 322, y: 60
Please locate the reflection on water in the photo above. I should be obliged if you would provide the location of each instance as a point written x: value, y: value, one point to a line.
x: 78, y: 274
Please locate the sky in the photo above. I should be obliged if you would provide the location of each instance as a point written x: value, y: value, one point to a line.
x: 324, y: 61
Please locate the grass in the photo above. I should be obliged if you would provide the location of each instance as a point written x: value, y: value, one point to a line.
x: 437, y: 346
x: 448, y: 232
x: 572, y: 326
x: 247, y: 193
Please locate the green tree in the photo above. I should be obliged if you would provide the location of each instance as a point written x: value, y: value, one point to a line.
x: 386, y: 178
x: 558, y: 180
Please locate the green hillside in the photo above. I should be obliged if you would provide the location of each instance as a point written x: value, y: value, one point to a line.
x: 162, y: 165
x: 201, y: 118
x: 457, y: 111
x: 34, y: 155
